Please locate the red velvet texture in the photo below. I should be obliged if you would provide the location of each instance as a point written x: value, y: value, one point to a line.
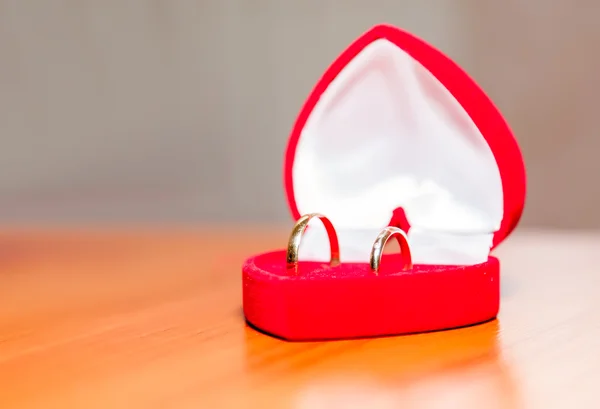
x: 320, y: 302
x: 348, y: 301
x: 475, y: 102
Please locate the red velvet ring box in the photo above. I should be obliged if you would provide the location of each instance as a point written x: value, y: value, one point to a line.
x: 394, y: 133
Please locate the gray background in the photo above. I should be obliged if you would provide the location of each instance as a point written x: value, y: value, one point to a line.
x: 178, y: 111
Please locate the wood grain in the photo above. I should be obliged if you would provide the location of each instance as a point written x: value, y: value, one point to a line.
x: 153, y: 319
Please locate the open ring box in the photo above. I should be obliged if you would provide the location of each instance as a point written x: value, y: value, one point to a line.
x: 393, y: 134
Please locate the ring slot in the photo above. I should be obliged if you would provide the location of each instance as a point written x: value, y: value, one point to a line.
x: 380, y: 242
x: 296, y: 237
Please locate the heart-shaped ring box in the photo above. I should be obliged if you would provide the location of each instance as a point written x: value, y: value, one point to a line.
x: 394, y: 133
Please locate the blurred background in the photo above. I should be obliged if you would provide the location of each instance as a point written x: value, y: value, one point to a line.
x: 178, y: 111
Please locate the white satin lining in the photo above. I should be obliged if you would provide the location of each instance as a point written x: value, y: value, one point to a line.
x: 385, y: 134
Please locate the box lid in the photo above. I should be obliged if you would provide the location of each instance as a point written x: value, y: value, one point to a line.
x: 397, y: 133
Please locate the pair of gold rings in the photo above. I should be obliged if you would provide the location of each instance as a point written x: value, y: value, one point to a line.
x: 376, y: 251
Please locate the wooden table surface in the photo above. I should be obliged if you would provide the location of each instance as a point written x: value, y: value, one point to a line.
x: 153, y: 319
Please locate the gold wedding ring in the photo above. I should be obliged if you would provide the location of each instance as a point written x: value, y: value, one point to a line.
x: 380, y: 242
x: 296, y: 237
x: 293, y: 246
